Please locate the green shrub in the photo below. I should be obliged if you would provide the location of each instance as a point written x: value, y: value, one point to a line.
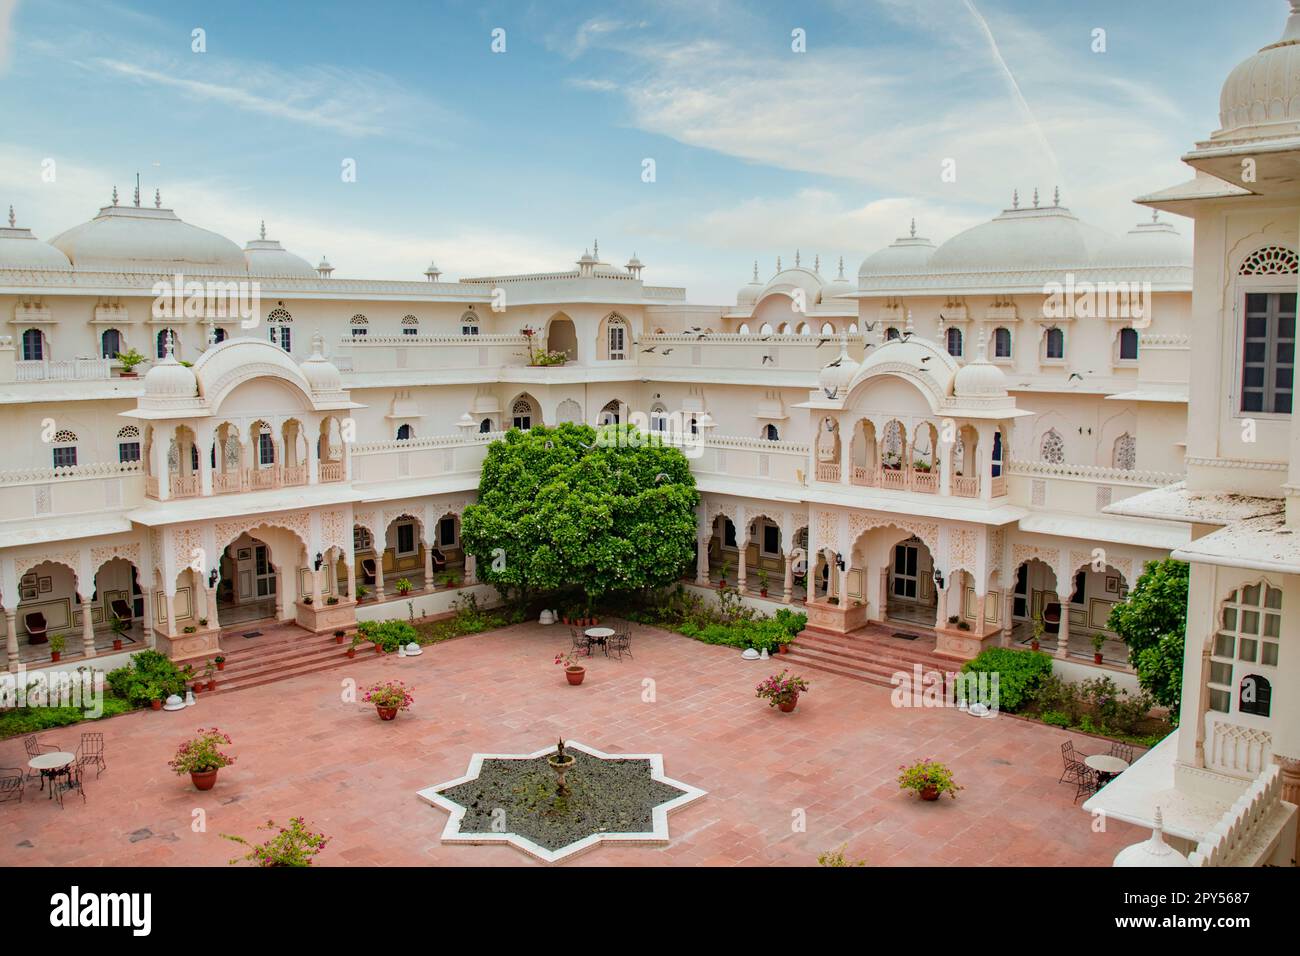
x: 30, y: 720
x: 1055, y: 718
x: 1019, y: 674
x: 149, y: 676
x: 388, y: 634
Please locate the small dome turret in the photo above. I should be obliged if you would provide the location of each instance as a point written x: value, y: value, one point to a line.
x: 835, y: 377
x: 980, y: 378
x: 319, y: 371
x: 169, y: 378
x: 748, y: 294
x: 1152, y: 852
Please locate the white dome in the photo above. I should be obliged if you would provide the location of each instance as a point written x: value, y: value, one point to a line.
x: 980, y: 378
x: 837, y: 287
x: 1152, y: 243
x: 917, y: 356
x: 170, y: 379
x: 19, y: 249
x: 266, y: 257
x: 1261, y: 97
x: 1152, y: 852
x: 799, y: 277
x: 143, y: 239
x: 221, y: 365
x: 907, y: 254
x: 748, y: 294
x: 321, y: 373
x: 1028, y: 239
x: 834, y: 379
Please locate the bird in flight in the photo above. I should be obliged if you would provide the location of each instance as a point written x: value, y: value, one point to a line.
x: 650, y: 349
x: 666, y: 351
x: 766, y: 359
x: 821, y: 342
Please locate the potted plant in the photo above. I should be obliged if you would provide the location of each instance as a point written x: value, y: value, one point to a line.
x: 1098, y: 642
x: 963, y: 625
x: 190, y: 629
x: 331, y: 600
x: 307, y: 599
x: 201, y: 757
x: 450, y: 580
x: 119, y: 627
x: 574, y: 671
x: 726, y: 570
x: 403, y: 586
x: 362, y: 591
x: 221, y: 662
x: 203, y: 622
x: 357, y: 640
x: 1039, y: 628
x: 129, y: 360
x: 782, y: 691
x: 389, y: 697
x: 208, y: 670
x: 762, y: 582
x: 155, y: 694
x: 339, y: 635
x: 57, y: 643
x: 929, y: 778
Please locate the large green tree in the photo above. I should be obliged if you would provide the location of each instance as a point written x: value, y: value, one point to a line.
x: 576, y: 508
x: 1153, y: 622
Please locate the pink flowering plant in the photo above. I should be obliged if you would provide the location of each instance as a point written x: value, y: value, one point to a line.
x: 781, y: 689
x: 568, y: 660
x: 926, y: 774
x: 202, y: 753
x: 294, y: 845
x: 389, y: 693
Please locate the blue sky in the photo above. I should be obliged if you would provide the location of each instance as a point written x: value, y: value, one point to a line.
x: 516, y: 161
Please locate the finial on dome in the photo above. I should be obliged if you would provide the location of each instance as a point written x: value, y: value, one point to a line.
x: 11, y: 216
x: 817, y: 262
x: 261, y: 232
x: 755, y: 279
x: 841, y: 275
x: 137, y: 190
x: 595, y: 248
x: 913, y: 227
x: 1035, y: 197
x: 317, y: 344
x: 908, y: 327
x: 1015, y: 199
x: 982, y: 347
x: 778, y: 263
x: 157, y: 198
x: 1056, y: 196
x: 796, y: 258
x: 169, y: 350
x: 114, y: 195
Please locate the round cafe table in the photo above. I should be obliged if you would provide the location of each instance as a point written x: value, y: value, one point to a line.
x: 599, y: 635
x: 1107, y: 767
x: 51, y: 765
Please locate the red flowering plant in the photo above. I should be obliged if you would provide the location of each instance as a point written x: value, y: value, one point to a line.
x: 926, y: 775
x: 568, y: 660
x: 202, y: 753
x: 294, y: 845
x: 389, y: 693
x: 781, y: 689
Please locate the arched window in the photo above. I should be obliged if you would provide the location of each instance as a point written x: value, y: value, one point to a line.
x: 128, y: 443
x: 469, y: 324
x: 766, y: 329
x: 891, y: 334
x: 1124, y: 454
x: 279, y: 315
x: 658, y: 418
x: 110, y: 343
x: 1002, y: 343
x: 162, y: 343
x: 1255, y: 695
x: 485, y: 426
x: 954, y: 342
x: 359, y: 325
x: 744, y: 328
x: 997, y: 454
x: 522, y: 414
x: 1270, y: 261
x: 770, y: 432
x: 1052, y: 449
x: 616, y: 332
x: 1249, y: 634
x: 265, y: 446
x: 828, y: 329
x: 219, y: 335
x: 1054, y: 344
x: 410, y: 325
x: 278, y: 328
x: 805, y: 329
x: 65, y: 449
x: 853, y: 328
x: 785, y: 328
x: 405, y: 433
x: 611, y: 414
x: 1128, y: 345
x: 33, y: 345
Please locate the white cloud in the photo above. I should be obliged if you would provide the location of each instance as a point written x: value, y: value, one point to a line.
x: 7, y: 9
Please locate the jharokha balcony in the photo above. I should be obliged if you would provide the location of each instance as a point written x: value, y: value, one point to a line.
x: 926, y: 481
x: 245, y: 479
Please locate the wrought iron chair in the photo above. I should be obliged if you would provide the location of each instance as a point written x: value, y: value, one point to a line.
x: 1074, y: 765
x: 90, y: 752
x: 34, y: 749
x: 1089, y: 782
x: 621, y: 642
x: 1123, y: 751
x: 581, y: 642
x: 69, y: 779
x: 11, y: 783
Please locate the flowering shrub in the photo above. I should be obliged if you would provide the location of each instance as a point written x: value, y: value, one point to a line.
x: 389, y: 693
x: 567, y: 659
x: 928, y: 773
x: 202, y: 753
x: 293, y: 845
x: 781, y: 689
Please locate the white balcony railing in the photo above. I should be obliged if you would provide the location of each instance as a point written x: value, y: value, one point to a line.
x: 63, y: 370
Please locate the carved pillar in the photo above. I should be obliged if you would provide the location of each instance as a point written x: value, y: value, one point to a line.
x: 702, y: 560
x: 789, y: 578
x: 941, y: 613
x: 471, y: 569
x: 945, y: 469
x: 352, y: 575
x: 1063, y: 632
x: 429, y: 583
x: 742, y: 558
x: 1203, y: 704
x: 11, y: 638
x: 214, y: 618
x: 844, y: 585
x: 980, y: 603
x: 147, y: 622
x: 1008, y: 605
x: 170, y: 628
x: 379, y: 573
x: 846, y: 456
x: 281, y: 599
x: 87, y: 627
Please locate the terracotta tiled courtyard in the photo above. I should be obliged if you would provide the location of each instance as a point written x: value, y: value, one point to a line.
x: 302, y: 750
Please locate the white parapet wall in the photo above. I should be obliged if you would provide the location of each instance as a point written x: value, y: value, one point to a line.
x: 424, y: 603
x: 1259, y: 828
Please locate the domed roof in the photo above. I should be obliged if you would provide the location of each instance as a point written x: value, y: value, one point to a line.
x: 1153, y: 243
x: 836, y: 376
x: 1022, y: 239
x: 980, y: 378
x: 169, y: 379
x: 228, y: 363
x: 1261, y: 97
x: 266, y: 257
x: 748, y: 293
x: 911, y: 354
x: 1152, y: 852
x: 907, y: 254
x: 19, y: 249
x: 140, y: 239
x: 321, y: 374
x: 798, y: 277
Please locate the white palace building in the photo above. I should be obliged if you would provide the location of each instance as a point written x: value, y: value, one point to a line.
x: 974, y: 433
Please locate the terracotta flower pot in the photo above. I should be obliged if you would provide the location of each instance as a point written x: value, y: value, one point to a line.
x: 722, y: 582
x: 352, y: 652
x: 386, y: 713
x: 55, y: 655
x: 221, y: 665
x: 762, y: 592
x: 929, y: 793
x: 117, y: 643
x: 204, y: 779
x: 212, y: 685
x: 156, y: 704
x: 1096, y: 658
x: 338, y: 638
x: 788, y: 706
x: 783, y: 648
x: 379, y: 648
x: 575, y: 674
x: 1033, y: 645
